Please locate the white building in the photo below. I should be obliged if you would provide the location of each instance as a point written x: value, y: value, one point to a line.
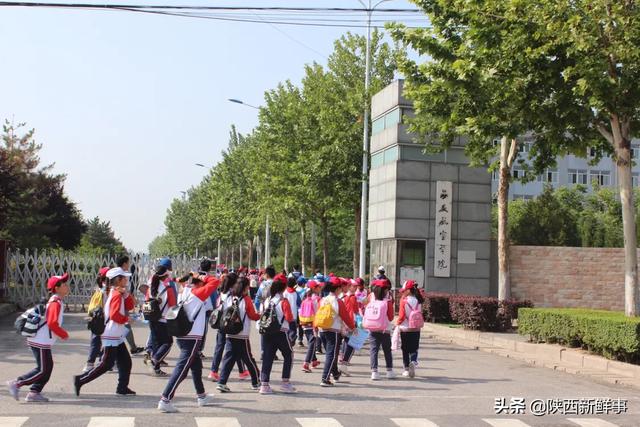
x: 569, y: 170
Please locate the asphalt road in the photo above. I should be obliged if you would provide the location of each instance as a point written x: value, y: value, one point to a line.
x: 454, y: 387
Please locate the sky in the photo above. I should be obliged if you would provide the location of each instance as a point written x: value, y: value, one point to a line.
x: 125, y: 104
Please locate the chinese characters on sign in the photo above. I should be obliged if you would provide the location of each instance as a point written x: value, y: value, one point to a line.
x: 442, y: 248
x: 540, y: 407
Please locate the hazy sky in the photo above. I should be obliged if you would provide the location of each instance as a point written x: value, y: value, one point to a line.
x: 125, y: 104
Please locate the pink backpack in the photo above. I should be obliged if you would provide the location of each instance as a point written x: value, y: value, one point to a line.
x: 375, y: 316
x: 307, y: 311
x: 416, y: 320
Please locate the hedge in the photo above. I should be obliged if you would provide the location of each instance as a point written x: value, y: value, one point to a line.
x: 436, y: 307
x: 607, y: 333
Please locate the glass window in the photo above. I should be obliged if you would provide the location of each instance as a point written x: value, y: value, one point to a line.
x: 634, y: 180
x: 377, y: 125
x: 412, y: 253
x: 377, y: 159
x: 390, y: 154
x: 577, y: 176
x: 386, y: 121
x: 601, y: 178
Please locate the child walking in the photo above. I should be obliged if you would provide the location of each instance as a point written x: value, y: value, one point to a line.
x: 238, y: 347
x: 97, y: 300
x: 42, y: 342
x: 279, y: 340
x: 377, y: 315
x: 410, y: 321
x: 116, y: 310
x: 306, y: 314
x: 330, y: 318
x: 192, y: 300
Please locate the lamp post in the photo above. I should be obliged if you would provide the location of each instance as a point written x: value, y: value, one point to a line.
x: 267, y: 234
x: 365, y: 140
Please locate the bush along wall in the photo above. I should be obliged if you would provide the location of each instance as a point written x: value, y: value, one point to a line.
x: 608, y: 333
x: 472, y: 311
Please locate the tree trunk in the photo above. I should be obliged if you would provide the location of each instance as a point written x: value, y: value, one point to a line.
x: 286, y: 250
x: 621, y: 140
x: 233, y: 257
x: 302, y: 247
x: 356, y: 243
x: 312, y: 258
x: 325, y: 243
x: 240, y: 255
x: 507, y: 155
x: 258, y: 253
x: 250, y: 255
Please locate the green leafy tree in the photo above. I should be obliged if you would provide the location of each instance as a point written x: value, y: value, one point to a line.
x: 100, y: 239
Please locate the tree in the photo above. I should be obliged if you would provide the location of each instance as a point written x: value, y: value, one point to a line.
x: 162, y: 246
x: 34, y: 211
x: 100, y: 238
x: 485, y: 79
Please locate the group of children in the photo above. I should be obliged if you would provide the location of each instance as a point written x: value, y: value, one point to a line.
x: 329, y: 312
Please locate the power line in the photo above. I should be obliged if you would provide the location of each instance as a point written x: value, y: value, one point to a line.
x: 177, y: 7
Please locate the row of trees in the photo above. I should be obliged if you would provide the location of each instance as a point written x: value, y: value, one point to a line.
x: 565, y: 72
x: 568, y: 216
x: 35, y: 211
x: 300, y: 166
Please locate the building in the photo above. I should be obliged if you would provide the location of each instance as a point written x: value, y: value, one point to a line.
x: 429, y: 215
x: 569, y: 170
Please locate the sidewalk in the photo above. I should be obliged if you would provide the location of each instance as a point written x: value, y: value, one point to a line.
x: 6, y: 309
x: 515, y: 346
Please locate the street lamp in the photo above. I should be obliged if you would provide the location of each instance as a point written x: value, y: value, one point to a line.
x: 237, y: 101
x: 365, y: 140
x: 201, y: 165
x: 267, y: 234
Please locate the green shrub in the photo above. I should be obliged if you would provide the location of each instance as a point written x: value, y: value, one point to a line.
x: 608, y: 333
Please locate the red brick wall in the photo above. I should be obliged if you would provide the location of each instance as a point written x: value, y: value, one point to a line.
x: 568, y: 277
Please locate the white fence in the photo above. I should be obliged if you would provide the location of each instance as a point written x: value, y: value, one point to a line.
x: 27, y: 273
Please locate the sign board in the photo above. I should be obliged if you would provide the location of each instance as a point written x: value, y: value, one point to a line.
x: 442, y: 239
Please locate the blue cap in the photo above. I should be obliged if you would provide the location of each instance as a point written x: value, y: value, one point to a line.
x: 301, y: 280
x: 319, y: 278
x: 165, y: 262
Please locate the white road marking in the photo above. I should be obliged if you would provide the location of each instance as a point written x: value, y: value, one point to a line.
x: 591, y: 422
x: 318, y: 422
x: 505, y: 422
x: 12, y: 421
x: 111, y: 422
x: 413, y: 422
x: 217, y: 422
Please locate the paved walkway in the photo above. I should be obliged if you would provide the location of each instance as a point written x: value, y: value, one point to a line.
x: 454, y: 387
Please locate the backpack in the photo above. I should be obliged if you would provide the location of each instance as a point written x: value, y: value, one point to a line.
x: 97, y: 321
x: 307, y: 311
x: 216, y: 317
x: 269, y: 323
x: 178, y: 322
x: 151, y: 309
x: 375, y: 316
x: 416, y: 319
x: 324, y: 316
x: 232, y: 323
x: 29, y: 323
x: 96, y: 301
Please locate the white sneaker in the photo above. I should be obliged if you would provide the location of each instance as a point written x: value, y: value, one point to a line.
x: 87, y: 367
x: 206, y: 400
x: 405, y: 373
x: 412, y: 369
x: 391, y: 375
x: 166, y: 407
x: 344, y: 370
x: 375, y: 376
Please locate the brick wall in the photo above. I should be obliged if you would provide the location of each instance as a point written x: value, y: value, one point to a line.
x: 568, y: 277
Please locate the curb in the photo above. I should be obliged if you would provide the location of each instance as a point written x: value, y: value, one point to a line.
x: 551, y: 356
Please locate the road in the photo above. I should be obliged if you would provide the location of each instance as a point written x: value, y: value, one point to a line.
x: 455, y: 387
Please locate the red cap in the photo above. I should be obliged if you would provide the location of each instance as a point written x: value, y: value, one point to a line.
x: 359, y: 281
x: 335, y: 281
x: 103, y: 272
x: 54, y: 280
x: 280, y: 278
x: 409, y: 284
x: 312, y: 284
x: 383, y: 283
